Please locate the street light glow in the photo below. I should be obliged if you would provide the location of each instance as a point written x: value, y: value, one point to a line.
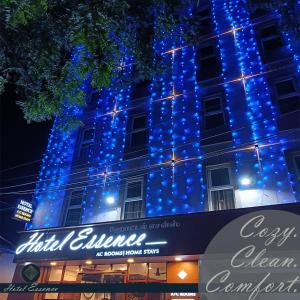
x: 110, y: 200
x: 246, y: 181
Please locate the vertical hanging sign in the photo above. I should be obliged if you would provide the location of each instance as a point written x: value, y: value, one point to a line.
x: 23, y: 211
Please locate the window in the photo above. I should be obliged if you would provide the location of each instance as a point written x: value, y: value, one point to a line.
x: 288, y: 98
x: 71, y: 273
x: 73, y: 216
x: 56, y: 273
x: 272, y: 42
x: 49, y: 296
x: 220, y: 188
x: 133, y: 210
x: 204, y: 18
x: 257, y: 13
x: 134, y: 190
x: 94, y: 97
x: 285, y: 87
x: 139, y: 133
x: 133, y: 207
x: 158, y: 271
x: 60, y: 274
x: 213, y: 113
x: 138, y: 272
x: 220, y: 177
x: 208, y: 62
x: 87, y: 143
x: 297, y: 165
x: 88, y: 135
x: 140, y: 90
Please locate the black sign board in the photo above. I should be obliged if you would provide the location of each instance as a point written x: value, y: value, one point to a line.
x: 23, y: 211
x: 164, y: 236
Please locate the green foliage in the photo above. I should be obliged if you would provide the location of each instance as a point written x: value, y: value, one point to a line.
x: 3, y: 81
x: 70, y: 124
x: 38, y: 108
x: 37, y: 38
x: 23, y: 12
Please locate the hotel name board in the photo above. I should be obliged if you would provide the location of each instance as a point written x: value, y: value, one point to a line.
x: 147, y: 237
x: 23, y: 211
x: 160, y: 236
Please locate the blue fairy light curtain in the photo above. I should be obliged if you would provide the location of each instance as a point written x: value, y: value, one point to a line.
x: 105, y: 160
x: 261, y: 156
x: 54, y: 177
x: 175, y: 180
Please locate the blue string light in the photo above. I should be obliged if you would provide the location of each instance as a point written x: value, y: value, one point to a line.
x: 176, y: 185
x: 241, y: 59
x: 56, y: 165
x: 110, y: 126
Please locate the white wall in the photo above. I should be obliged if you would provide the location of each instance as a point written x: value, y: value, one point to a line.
x: 107, y: 216
x: 255, y: 197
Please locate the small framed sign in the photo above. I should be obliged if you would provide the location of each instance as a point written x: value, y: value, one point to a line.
x: 23, y: 211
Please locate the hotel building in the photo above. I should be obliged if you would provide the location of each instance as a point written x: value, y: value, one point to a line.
x: 136, y: 194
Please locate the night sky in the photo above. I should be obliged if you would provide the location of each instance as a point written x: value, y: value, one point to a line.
x: 21, y: 143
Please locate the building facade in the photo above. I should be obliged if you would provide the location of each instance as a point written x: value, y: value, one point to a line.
x: 218, y: 131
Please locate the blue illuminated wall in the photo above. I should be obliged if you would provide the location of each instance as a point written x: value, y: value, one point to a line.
x: 244, y: 76
x: 105, y: 160
x: 53, y: 178
x: 174, y: 163
x: 176, y: 185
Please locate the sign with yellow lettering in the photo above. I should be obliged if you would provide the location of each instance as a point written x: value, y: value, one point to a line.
x: 23, y: 211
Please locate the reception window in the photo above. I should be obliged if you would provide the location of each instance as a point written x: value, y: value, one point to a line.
x: 171, y: 272
x: 138, y: 272
x: 56, y: 274
x: 157, y: 271
x: 71, y: 273
x: 221, y: 192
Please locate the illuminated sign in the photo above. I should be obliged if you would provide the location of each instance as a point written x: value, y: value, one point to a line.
x: 147, y: 238
x: 23, y: 211
x: 80, y: 241
x: 183, y: 294
x: 161, y: 236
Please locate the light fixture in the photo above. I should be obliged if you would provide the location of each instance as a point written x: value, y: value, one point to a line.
x: 53, y: 263
x: 177, y: 258
x: 130, y: 260
x: 245, y: 181
x: 110, y: 200
x: 88, y: 262
x: 182, y: 274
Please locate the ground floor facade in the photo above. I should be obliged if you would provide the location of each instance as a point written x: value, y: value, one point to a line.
x: 164, y: 271
x: 160, y: 250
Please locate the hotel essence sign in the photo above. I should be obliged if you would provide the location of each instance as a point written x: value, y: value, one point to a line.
x: 165, y: 236
x: 147, y: 237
